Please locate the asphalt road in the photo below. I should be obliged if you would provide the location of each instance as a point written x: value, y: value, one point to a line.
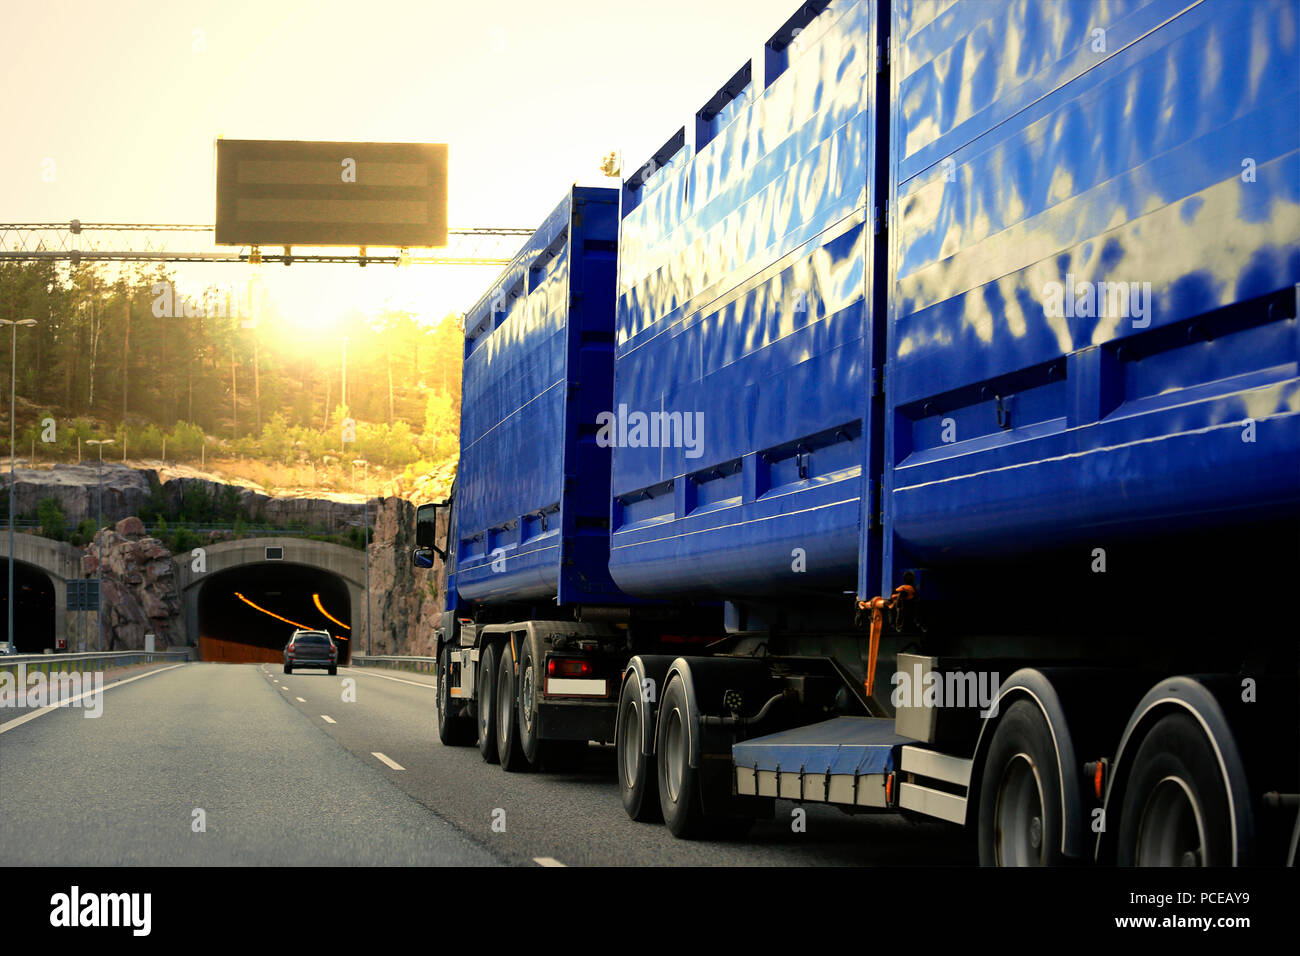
x: 127, y: 787
x: 312, y: 769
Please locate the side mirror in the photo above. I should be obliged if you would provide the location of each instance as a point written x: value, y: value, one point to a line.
x: 426, y: 529
x: 422, y: 557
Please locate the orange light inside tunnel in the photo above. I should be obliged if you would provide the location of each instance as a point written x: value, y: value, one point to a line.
x: 270, y: 613
x: 320, y: 607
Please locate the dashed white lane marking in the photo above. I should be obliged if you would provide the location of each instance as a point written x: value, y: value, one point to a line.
x: 328, y: 719
x: 547, y: 861
x: 19, y: 721
x: 301, y: 700
x: 413, y: 683
x: 386, y: 760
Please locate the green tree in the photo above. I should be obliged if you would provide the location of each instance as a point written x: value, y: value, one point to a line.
x: 196, y: 503
x: 52, y: 519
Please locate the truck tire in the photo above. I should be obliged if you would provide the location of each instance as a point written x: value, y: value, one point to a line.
x: 334, y: 671
x: 288, y: 669
x: 485, y: 706
x: 1175, y: 808
x: 453, y: 729
x: 1020, y: 793
x: 679, y: 782
x: 530, y: 688
x: 638, y: 776
x: 507, y: 722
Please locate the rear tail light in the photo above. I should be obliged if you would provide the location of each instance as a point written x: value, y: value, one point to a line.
x: 568, y: 667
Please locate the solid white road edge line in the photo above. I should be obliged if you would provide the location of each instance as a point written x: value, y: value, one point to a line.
x: 19, y: 721
x: 414, y: 683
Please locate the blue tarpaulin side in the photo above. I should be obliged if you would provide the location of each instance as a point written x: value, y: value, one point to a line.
x: 844, y: 745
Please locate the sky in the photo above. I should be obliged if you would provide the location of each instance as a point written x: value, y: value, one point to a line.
x: 119, y: 104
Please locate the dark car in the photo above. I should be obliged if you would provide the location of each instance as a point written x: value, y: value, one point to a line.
x: 311, y: 649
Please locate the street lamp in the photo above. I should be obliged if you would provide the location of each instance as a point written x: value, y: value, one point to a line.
x: 99, y: 566
x: 13, y: 415
x: 362, y: 462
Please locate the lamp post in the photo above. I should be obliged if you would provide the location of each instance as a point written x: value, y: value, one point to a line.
x: 13, y: 415
x: 99, y: 565
x: 366, y: 511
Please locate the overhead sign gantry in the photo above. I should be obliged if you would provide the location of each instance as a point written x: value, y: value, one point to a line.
x: 295, y: 193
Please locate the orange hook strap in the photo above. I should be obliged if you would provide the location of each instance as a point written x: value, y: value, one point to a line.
x: 877, y: 606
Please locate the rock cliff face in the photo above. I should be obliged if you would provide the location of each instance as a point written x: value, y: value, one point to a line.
x: 405, y: 602
x: 76, y: 488
x: 127, y: 491
x: 139, y: 587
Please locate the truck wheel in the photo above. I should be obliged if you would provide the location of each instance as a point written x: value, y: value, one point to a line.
x: 334, y: 672
x: 288, y: 669
x: 453, y: 728
x: 638, y: 777
x: 1020, y: 794
x: 484, y: 705
x: 508, y: 749
x: 1175, y: 810
x: 530, y: 692
x: 679, y: 782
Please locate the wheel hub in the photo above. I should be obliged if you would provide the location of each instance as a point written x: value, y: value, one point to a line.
x: 675, y: 754
x: 1018, y: 816
x: 1172, y: 829
x: 526, y: 697
x: 630, y: 743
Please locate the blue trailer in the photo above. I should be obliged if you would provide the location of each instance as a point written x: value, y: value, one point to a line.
x: 952, y: 423
x: 529, y: 533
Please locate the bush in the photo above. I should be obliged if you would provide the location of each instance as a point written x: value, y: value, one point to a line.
x: 184, y: 441
x: 52, y: 519
x: 185, y: 540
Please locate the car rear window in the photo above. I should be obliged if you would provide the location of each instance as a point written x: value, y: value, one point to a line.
x: 312, y: 639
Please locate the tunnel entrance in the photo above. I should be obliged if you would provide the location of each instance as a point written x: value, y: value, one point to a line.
x: 33, y: 607
x: 248, y: 613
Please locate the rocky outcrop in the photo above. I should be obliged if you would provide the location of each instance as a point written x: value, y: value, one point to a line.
x: 127, y: 491
x: 76, y: 488
x: 139, y: 587
x: 405, y: 602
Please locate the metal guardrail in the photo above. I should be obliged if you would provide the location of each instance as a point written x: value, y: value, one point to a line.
x: 422, y: 665
x: 89, y: 661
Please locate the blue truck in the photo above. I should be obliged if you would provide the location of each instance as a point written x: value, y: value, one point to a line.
x: 917, y: 430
